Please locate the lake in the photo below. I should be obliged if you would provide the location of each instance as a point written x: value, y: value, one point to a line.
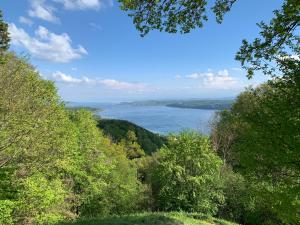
x: 158, y: 119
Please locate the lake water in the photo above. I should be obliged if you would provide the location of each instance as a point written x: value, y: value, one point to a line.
x: 159, y: 119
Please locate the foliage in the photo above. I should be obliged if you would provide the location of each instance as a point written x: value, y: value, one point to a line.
x: 279, y: 42
x: 42, y: 200
x: 171, y: 16
x: 238, y: 205
x: 157, y: 218
x: 118, y: 129
x: 4, y: 36
x: 186, y: 169
x: 56, y: 164
x: 269, y: 115
x: 6, y: 210
x: 133, y: 149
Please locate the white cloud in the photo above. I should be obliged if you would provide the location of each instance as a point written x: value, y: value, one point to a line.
x: 80, y: 4
x: 39, y: 9
x: 178, y: 77
x: 115, y: 84
x: 95, y: 26
x: 61, y: 77
x: 46, y: 45
x: 109, y: 83
x: 223, y: 73
x: 25, y: 20
x: 218, y: 80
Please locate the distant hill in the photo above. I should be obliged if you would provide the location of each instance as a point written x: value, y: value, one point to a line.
x: 117, y: 130
x: 216, y: 104
x: 203, y: 104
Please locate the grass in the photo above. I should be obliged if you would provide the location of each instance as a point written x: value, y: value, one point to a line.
x: 159, y: 218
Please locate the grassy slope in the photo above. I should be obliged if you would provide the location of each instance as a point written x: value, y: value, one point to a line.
x: 173, y: 218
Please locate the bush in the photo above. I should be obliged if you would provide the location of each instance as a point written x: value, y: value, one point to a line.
x: 6, y: 209
x: 187, y: 168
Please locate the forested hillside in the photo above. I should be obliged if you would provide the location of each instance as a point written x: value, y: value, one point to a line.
x: 118, y: 129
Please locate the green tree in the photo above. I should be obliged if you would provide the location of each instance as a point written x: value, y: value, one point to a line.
x: 132, y: 148
x: 35, y: 138
x: 186, y: 169
x: 278, y: 44
x: 171, y: 16
x: 105, y: 181
x: 4, y: 36
x: 278, y: 41
x: 266, y: 147
x: 55, y: 164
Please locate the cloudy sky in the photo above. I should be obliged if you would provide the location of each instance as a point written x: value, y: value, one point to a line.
x: 92, y: 51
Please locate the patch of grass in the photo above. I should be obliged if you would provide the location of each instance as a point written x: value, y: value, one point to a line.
x: 159, y: 218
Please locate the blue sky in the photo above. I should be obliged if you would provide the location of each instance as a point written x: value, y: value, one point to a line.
x: 92, y: 51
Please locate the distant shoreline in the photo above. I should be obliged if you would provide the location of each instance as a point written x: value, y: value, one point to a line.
x: 188, y: 104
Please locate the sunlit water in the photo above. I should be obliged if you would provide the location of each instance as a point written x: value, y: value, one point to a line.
x: 161, y: 119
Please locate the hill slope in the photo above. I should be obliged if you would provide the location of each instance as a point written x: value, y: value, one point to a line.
x: 117, y: 130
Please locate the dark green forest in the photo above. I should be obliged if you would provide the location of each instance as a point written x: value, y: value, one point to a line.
x: 63, y: 166
x: 118, y: 130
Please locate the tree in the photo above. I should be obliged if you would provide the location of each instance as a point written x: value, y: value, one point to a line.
x: 187, y: 168
x: 132, y: 148
x: 266, y: 147
x: 4, y: 36
x: 104, y: 180
x: 172, y: 15
x: 279, y: 42
x: 55, y: 164
x: 35, y: 138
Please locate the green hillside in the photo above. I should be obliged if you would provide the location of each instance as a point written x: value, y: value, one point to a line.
x: 154, y: 219
x: 117, y: 130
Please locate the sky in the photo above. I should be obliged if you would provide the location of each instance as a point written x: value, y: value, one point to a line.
x: 93, y: 53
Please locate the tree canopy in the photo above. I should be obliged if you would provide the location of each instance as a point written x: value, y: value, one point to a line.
x: 186, y: 168
x: 4, y: 36
x: 172, y: 15
x: 264, y: 143
x: 279, y: 40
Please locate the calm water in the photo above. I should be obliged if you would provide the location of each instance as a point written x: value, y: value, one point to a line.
x: 159, y: 119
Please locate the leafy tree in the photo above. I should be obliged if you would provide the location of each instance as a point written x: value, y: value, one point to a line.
x: 237, y: 202
x: 279, y: 40
x: 278, y: 43
x: 35, y: 138
x: 105, y: 180
x: 4, y: 36
x: 132, y: 148
x: 171, y: 16
x: 55, y: 164
x: 187, y: 168
x: 266, y: 147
